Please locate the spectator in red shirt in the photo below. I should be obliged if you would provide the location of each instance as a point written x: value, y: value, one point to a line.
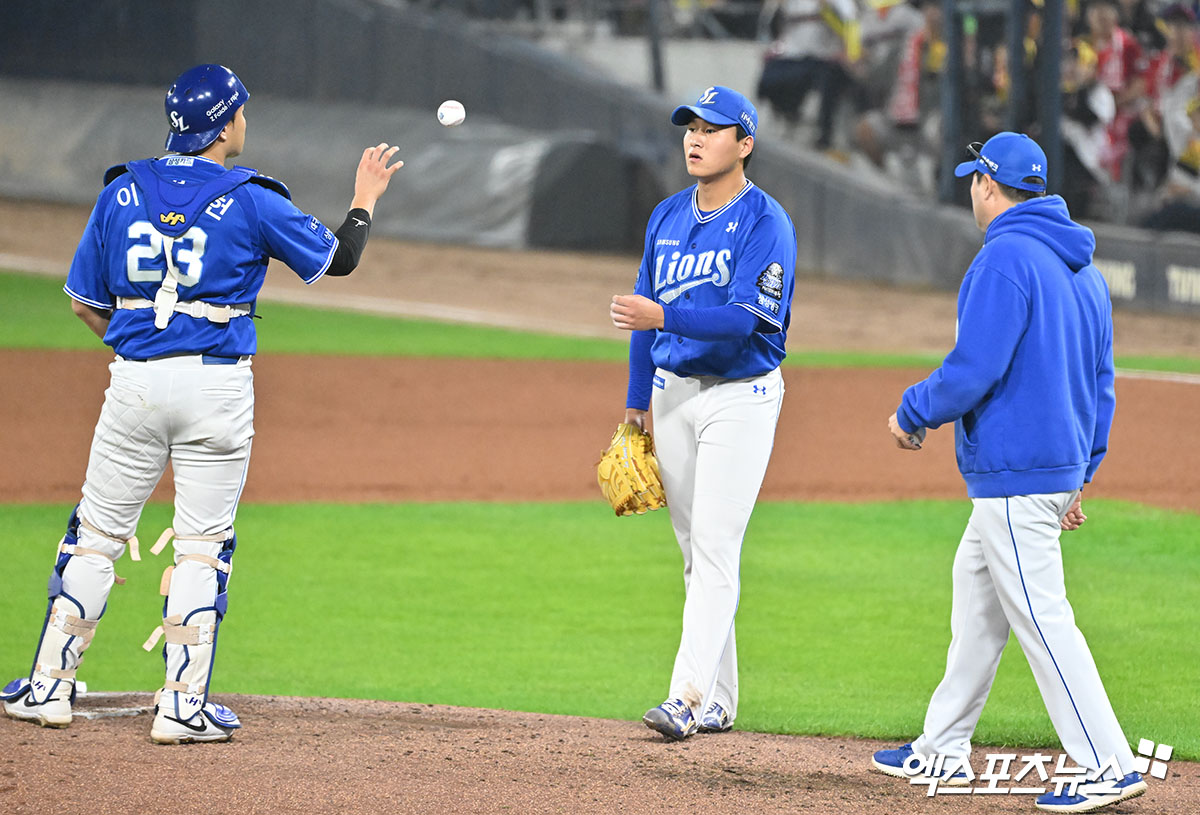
x: 1120, y: 66
x: 1162, y: 129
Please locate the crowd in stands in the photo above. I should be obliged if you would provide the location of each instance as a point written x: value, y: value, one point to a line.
x: 1130, y: 83
x: 862, y: 79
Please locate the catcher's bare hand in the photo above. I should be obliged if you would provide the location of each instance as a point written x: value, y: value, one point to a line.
x: 633, y: 312
x: 1074, y: 517
x: 904, y: 439
x: 373, y: 174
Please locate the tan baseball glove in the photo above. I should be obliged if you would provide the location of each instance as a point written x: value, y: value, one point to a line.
x: 628, y: 472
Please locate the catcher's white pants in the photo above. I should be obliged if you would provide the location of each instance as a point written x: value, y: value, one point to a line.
x: 713, y: 438
x: 1008, y: 574
x: 201, y: 419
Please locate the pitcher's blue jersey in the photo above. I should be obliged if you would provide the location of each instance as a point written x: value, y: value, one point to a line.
x: 743, y: 253
x: 222, y: 259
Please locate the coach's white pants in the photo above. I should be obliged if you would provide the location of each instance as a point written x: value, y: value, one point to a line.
x: 1008, y: 573
x: 714, y: 438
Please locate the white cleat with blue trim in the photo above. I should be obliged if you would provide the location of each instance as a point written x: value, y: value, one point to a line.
x: 213, y: 722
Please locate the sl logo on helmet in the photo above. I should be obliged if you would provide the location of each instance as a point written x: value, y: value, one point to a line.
x: 177, y: 122
x: 172, y: 218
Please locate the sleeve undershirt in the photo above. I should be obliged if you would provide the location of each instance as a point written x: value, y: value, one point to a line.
x: 641, y: 370
x: 727, y: 322
x: 352, y: 239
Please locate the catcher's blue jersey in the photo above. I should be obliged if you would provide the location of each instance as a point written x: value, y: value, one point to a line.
x: 222, y: 259
x: 743, y: 253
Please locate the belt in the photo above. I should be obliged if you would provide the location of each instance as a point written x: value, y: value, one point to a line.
x: 205, y: 359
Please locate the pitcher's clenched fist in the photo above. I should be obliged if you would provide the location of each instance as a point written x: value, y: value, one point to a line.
x: 633, y: 312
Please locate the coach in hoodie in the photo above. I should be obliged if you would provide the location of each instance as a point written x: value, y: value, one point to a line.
x: 1029, y: 387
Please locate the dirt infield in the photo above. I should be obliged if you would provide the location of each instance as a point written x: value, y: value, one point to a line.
x: 341, y: 757
x: 387, y: 429
x: 377, y: 429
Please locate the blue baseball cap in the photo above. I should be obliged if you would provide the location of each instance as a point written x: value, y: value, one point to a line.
x: 1008, y: 158
x: 719, y: 106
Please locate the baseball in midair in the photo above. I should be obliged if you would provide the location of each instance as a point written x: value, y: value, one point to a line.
x: 451, y: 113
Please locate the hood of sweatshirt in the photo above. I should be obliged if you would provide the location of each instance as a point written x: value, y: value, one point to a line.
x: 1047, y: 220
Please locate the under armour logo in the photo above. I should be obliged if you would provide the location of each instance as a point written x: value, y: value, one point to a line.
x: 1037, y: 168
x: 732, y: 226
x: 761, y: 389
x: 177, y: 122
x: 172, y: 218
x: 708, y: 97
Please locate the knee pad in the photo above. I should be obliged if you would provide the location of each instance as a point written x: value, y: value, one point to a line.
x: 196, y: 588
x: 82, y: 577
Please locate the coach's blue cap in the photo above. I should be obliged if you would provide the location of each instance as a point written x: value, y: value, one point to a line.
x: 1009, y: 158
x: 719, y: 106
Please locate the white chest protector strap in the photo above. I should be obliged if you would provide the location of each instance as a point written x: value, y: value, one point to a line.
x: 168, y: 293
x: 193, y: 308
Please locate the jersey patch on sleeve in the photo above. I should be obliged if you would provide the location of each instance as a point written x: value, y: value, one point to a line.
x: 770, y: 283
x: 314, y: 225
x: 769, y: 304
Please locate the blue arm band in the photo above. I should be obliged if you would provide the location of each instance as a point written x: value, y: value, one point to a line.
x: 727, y: 322
x: 641, y: 370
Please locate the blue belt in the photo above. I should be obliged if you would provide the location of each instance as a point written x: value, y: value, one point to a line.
x: 209, y: 359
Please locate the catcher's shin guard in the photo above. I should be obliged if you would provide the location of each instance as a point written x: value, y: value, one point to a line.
x: 196, y: 591
x: 80, y: 582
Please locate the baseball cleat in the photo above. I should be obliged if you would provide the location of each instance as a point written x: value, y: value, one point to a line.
x: 891, y: 762
x: 54, y: 712
x: 1093, y: 796
x: 673, y: 718
x: 715, y: 720
x: 212, y: 723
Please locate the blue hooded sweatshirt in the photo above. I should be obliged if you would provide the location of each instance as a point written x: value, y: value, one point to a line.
x: 1029, y: 384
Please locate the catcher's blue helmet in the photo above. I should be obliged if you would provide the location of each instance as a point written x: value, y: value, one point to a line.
x: 199, y: 104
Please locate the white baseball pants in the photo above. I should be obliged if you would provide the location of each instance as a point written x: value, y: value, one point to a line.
x: 1008, y: 574
x: 201, y: 418
x: 713, y: 437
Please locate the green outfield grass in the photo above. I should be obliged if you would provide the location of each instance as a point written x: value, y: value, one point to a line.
x: 843, y: 624
x: 36, y: 314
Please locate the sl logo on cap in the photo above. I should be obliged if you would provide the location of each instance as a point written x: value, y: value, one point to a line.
x: 708, y: 97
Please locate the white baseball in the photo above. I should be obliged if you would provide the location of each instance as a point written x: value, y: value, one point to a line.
x: 451, y: 113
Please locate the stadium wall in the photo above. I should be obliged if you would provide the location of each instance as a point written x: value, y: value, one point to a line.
x: 555, y: 154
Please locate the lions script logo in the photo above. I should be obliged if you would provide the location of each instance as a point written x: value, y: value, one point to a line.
x: 172, y: 218
x: 687, y: 271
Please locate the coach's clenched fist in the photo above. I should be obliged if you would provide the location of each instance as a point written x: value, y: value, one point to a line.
x: 633, y: 312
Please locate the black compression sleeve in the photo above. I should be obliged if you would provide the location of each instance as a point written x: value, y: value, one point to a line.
x: 352, y: 239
